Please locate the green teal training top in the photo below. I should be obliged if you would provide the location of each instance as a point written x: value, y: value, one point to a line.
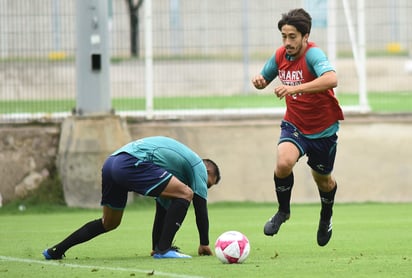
x: 173, y: 156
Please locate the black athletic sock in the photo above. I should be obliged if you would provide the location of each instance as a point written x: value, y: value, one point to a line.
x: 85, y: 233
x: 283, y: 189
x: 158, y: 224
x: 327, y: 199
x: 175, y: 215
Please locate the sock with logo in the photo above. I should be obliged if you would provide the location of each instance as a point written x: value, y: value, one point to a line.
x: 175, y: 215
x: 327, y: 200
x: 283, y: 187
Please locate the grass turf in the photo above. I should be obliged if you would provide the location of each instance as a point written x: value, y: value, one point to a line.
x: 368, y: 240
x: 389, y: 102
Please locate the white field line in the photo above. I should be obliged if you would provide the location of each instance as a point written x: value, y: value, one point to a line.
x: 62, y: 264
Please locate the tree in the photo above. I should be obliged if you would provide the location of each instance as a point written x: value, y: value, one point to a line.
x: 134, y: 7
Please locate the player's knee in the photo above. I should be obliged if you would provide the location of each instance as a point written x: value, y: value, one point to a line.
x: 110, y: 225
x: 283, y: 169
x: 188, y: 194
x: 324, y: 183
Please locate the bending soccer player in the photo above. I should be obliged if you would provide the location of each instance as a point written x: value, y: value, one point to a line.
x: 311, y: 121
x: 159, y: 167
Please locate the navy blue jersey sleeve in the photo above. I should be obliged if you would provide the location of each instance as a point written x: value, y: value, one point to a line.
x: 270, y: 69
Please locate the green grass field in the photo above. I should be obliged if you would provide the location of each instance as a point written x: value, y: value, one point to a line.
x: 369, y: 240
x: 390, y: 102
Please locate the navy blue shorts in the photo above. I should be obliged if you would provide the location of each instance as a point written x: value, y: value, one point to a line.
x: 321, y: 152
x: 124, y: 173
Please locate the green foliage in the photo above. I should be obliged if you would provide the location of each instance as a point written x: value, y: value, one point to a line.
x: 49, y: 192
x: 48, y: 196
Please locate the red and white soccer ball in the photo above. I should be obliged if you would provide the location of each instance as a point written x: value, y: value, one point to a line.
x: 232, y: 247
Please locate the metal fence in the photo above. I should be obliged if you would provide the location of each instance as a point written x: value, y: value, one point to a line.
x: 200, y: 49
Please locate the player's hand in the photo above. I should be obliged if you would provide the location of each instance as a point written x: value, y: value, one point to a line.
x: 283, y: 90
x: 204, y: 250
x: 259, y: 82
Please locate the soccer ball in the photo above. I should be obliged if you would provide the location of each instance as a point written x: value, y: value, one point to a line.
x: 232, y: 247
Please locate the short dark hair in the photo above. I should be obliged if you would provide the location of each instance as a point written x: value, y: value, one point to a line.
x: 216, y: 170
x: 298, y: 18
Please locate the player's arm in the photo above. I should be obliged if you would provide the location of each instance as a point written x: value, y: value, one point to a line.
x: 268, y: 73
x: 327, y: 80
x: 324, y: 82
x: 319, y: 66
x: 202, y: 222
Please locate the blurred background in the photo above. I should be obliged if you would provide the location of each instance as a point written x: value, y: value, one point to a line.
x: 204, y: 54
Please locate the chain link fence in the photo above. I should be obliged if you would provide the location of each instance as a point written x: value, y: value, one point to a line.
x: 205, y: 54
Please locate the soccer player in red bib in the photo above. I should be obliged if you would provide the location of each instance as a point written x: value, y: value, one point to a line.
x: 311, y: 121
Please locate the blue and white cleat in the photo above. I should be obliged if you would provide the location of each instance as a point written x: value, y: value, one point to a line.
x: 48, y: 255
x: 171, y: 254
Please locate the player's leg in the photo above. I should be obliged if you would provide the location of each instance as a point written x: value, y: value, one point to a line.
x: 327, y: 187
x: 157, y: 226
x: 181, y: 196
x: 110, y: 220
x: 321, y: 159
x: 113, y: 196
x: 287, y: 156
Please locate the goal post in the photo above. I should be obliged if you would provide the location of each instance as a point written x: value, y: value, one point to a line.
x: 325, y: 13
x: 357, y: 39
